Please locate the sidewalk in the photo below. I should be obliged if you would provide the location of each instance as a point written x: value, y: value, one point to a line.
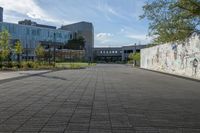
x: 17, y: 74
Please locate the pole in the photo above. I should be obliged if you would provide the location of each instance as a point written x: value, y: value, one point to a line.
x: 26, y: 49
x: 135, y: 53
x: 54, y: 49
x: 49, y: 55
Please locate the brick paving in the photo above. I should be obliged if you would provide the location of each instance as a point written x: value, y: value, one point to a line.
x: 101, y: 99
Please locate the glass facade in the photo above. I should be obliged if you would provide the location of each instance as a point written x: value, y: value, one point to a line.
x: 31, y: 36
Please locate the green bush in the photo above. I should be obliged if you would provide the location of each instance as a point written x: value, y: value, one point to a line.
x: 29, y: 65
x: 8, y: 64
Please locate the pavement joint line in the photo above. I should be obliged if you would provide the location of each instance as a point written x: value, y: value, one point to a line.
x: 105, y: 91
x: 118, y: 96
x: 85, y: 88
x: 94, y: 94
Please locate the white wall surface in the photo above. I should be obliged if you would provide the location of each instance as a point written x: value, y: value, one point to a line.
x: 181, y: 59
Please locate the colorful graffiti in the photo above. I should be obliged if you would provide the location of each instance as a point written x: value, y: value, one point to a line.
x: 181, y: 59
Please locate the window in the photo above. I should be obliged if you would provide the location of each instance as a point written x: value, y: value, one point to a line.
x: 33, y: 32
x: 27, y: 31
x: 70, y: 36
x: 38, y: 32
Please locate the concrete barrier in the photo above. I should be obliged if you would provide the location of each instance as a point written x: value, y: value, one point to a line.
x: 175, y: 58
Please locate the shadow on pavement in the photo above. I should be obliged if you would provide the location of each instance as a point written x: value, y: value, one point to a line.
x: 52, y: 77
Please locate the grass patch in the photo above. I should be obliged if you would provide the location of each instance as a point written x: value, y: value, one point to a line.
x: 74, y: 65
x: 34, y: 65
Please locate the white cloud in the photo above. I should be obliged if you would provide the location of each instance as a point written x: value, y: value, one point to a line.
x: 28, y: 8
x: 140, y: 37
x: 122, y: 30
x: 104, y: 37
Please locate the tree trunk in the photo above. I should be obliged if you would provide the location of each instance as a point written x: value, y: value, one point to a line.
x: 18, y: 58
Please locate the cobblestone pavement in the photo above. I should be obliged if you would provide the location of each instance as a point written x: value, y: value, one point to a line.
x: 101, y: 99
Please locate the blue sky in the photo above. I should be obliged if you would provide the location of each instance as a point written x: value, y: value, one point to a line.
x: 116, y: 22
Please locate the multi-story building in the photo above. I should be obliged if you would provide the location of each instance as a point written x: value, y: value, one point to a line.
x: 109, y: 54
x: 85, y: 30
x: 31, y: 36
x: 115, y: 54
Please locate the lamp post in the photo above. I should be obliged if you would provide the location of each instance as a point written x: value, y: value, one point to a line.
x: 54, y: 49
x: 49, y: 53
x: 135, y: 53
x: 26, y: 48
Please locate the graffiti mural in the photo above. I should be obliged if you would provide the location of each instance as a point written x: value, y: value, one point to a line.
x: 182, y: 59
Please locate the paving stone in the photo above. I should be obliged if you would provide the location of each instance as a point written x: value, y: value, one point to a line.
x: 106, y: 98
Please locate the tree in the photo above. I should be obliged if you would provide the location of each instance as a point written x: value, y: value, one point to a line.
x: 134, y: 56
x: 18, y: 50
x: 172, y: 20
x: 40, y: 51
x: 4, y: 45
x: 76, y: 44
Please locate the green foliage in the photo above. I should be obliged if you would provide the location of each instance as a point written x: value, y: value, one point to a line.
x: 4, y: 44
x: 172, y: 20
x: 76, y: 44
x: 74, y: 65
x: 35, y: 65
x: 40, y: 51
x: 134, y: 56
x: 18, y: 48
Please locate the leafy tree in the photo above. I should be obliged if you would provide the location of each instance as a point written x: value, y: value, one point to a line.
x: 18, y: 50
x: 4, y: 45
x: 40, y: 51
x: 134, y: 56
x: 76, y: 44
x: 172, y: 20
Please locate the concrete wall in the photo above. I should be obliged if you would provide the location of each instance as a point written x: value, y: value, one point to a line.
x: 182, y: 59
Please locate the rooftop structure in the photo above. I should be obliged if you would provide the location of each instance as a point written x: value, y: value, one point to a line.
x: 32, y: 23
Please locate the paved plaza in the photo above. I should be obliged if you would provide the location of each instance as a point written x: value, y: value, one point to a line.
x: 100, y: 99
x: 17, y: 74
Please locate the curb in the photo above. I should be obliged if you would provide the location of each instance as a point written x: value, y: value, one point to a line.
x: 25, y: 76
x: 170, y: 74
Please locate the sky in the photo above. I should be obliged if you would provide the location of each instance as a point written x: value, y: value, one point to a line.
x: 116, y: 22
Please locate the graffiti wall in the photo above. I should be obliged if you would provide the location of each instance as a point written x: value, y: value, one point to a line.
x: 182, y: 59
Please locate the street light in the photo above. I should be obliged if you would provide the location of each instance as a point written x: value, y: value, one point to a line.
x: 135, y: 53
x: 54, y: 49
